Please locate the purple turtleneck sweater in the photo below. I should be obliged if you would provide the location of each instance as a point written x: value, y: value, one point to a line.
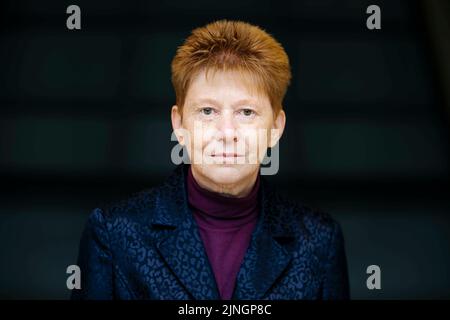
x: 225, y: 226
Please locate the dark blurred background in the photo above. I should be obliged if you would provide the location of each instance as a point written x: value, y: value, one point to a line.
x: 85, y: 120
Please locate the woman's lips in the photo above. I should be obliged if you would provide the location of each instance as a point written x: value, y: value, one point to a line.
x: 226, y: 155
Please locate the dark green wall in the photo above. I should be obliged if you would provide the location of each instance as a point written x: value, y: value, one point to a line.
x: 84, y: 119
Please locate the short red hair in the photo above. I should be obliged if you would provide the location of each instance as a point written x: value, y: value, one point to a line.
x: 236, y: 46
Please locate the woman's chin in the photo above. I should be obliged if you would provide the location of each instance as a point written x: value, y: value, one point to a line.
x: 228, y: 173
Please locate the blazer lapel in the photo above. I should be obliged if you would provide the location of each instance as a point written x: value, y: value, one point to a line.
x: 182, y: 248
x: 269, y: 251
x: 184, y: 252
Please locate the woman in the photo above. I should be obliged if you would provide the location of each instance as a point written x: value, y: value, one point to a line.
x: 215, y: 229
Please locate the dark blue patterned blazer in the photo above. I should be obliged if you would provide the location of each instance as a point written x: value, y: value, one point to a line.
x: 149, y: 247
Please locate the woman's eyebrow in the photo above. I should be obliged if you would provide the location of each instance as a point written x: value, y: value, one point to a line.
x: 205, y: 101
x: 245, y: 101
x: 216, y: 103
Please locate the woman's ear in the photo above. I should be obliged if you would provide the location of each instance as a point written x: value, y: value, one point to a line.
x: 277, y: 128
x: 176, y: 116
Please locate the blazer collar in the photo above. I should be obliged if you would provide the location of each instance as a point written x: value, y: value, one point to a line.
x: 268, y: 254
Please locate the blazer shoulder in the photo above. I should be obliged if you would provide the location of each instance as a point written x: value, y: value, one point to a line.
x: 137, y: 206
x: 314, y: 222
x: 142, y: 206
x: 319, y: 222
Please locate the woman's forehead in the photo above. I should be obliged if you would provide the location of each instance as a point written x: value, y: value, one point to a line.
x: 230, y: 85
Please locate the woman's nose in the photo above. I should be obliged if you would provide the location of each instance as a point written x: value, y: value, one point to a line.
x: 227, y: 126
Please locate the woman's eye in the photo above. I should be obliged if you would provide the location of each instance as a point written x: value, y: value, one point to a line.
x: 207, y: 111
x: 247, y: 112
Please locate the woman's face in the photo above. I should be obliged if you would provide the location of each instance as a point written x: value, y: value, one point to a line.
x: 227, y: 126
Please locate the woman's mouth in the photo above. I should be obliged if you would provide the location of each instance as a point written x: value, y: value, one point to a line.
x: 226, y: 155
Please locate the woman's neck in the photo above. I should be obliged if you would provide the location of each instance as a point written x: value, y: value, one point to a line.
x: 239, y: 189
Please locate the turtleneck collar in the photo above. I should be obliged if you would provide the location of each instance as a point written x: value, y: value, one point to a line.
x: 215, y: 211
